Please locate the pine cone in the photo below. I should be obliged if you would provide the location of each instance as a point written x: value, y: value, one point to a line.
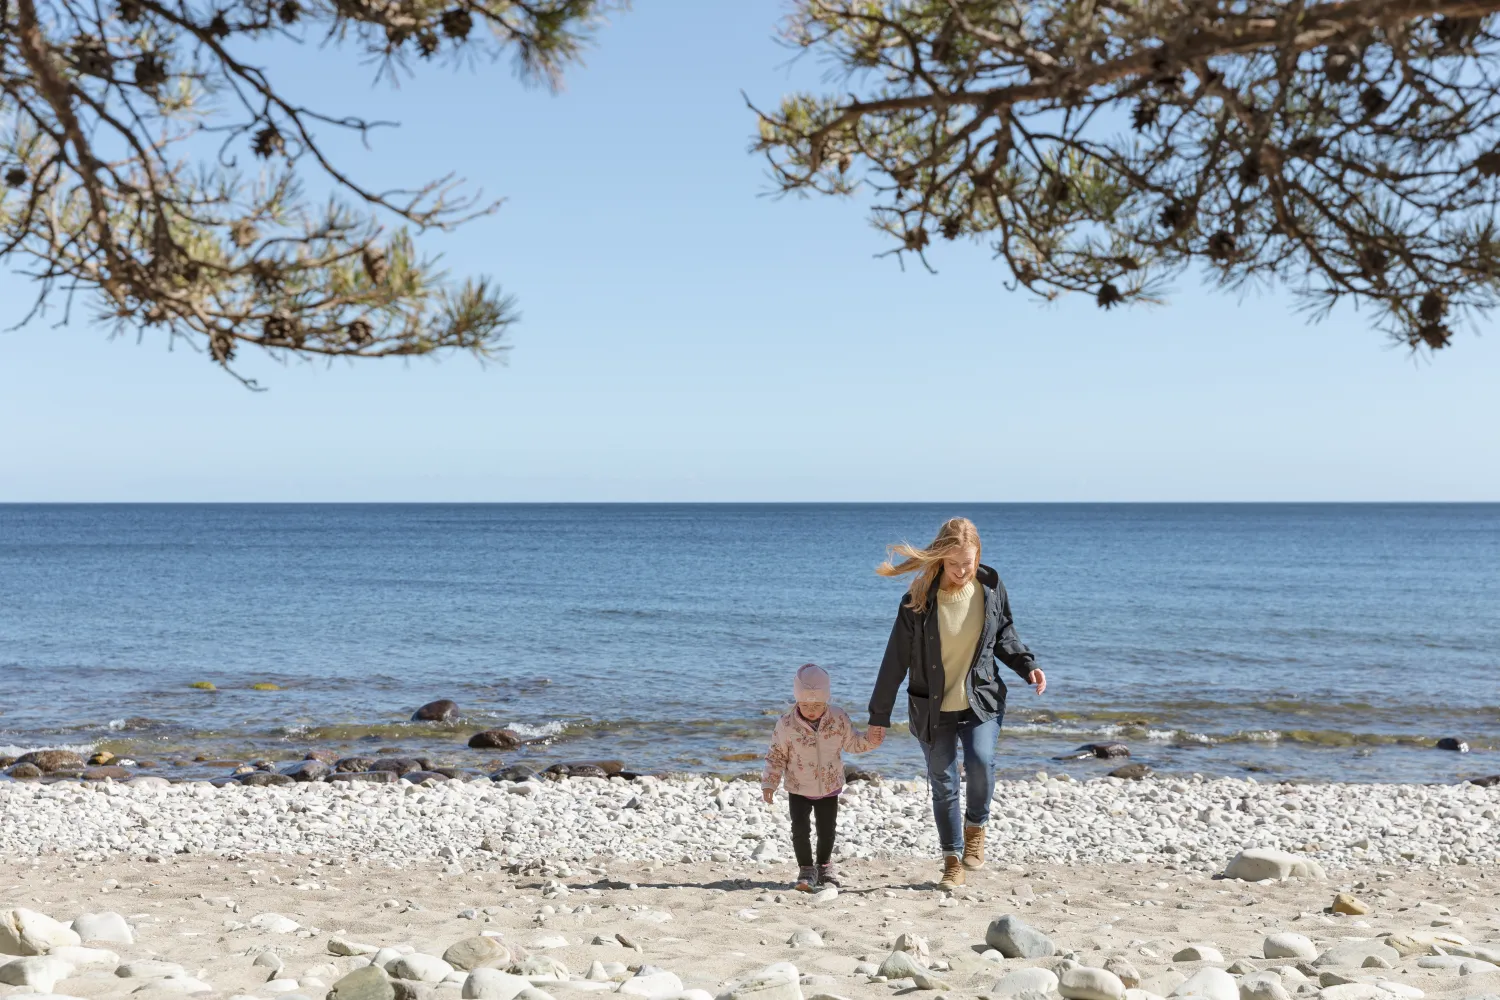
x: 361, y: 333
x: 1221, y: 246
x: 1249, y: 171
x: 1488, y: 164
x: 1109, y: 296
x: 1175, y: 216
x: 1432, y: 307
x: 221, y: 348
x: 15, y: 177
x: 1373, y: 262
x: 427, y: 44
x: 267, y: 143
x: 457, y: 23
x: 376, y: 266
x: 289, y: 11
x: 150, y: 72
x: 243, y: 233
x: 952, y: 228
x: 1059, y: 191
x: 129, y: 11
x: 1143, y: 115
x: 92, y: 57
x: 1458, y: 32
x: 1338, y: 64
x: 219, y: 26
x: 1373, y: 100
x: 916, y: 239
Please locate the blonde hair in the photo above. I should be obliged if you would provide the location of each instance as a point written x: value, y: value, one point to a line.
x: 955, y: 535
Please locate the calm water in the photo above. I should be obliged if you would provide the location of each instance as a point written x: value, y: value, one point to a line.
x: 1315, y: 642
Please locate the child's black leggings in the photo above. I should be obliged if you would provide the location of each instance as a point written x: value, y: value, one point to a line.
x: 827, y: 811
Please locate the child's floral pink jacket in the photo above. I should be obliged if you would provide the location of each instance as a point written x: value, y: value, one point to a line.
x: 811, y: 760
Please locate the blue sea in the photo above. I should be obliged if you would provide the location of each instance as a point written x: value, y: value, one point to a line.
x: 1292, y: 642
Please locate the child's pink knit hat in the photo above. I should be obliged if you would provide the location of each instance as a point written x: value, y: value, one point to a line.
x: 811, y: 683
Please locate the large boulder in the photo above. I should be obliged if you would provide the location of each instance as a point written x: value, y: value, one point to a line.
x: 492, y: 984
x: 1287, y: 944
x: 26, y: 932
x: 441, y: 710
x: 1023, y: 981
x: 37, y: 972
x: 1080, y: 982
x: 1014, y: 938
x: 49, y: 761
x: 1211, y: 984
x: 107, y: 926
x: 1261, y: 864
x: 368, y: 983
x: 477, y: 952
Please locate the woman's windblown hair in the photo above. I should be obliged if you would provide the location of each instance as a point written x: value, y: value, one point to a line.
x: 953, y: 536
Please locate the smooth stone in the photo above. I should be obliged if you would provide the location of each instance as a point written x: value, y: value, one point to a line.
x: 1259, y: 864
x: 149, y: 968
x: 308, y: 770
x: 368, y: 983
x: 775, y: 982
x: 656, y: 984
x: 1262, y: 986
x: 1020, y: 981
x: 805, y: 937
x: 900, y: 965
x: 1491, y: 955
x: 1240, y: 967
x: 442, y: 710
x: 49, y: 761
x: 1353, y: 991
x: 1474, y: 967
x: 87, y: 959
x: 1441, y: 961
x: 532, y: 993
x: 1352, y: 954
x: 1453, y: 743
x: 1350, y: 905
x: 1376, y: 962
x: 419, y: 968
x: 913, y: 944
x: 492, y: 984
x: 106, y: 926
x: 1080, y: 982
x: 274, y: 923
x: 495, y: 739
x: 1288, y: 944
x: 1400, y: 989
x: 1199, y: 953
x: 1163, y: 983
x: 349, y: 949
x: 1334, y: 979
x: 477, y: 953
x: 1133, y: 994
x: 543, y: 967
x: 181, y: 985
x: 1014, y: 938
x: 38, y: 972
x: 1132, y: 772
x: 281, y: 986
x: 407, y: 989
x: 1121, y: 967
x: 27, y: 932
x: 1210, y: 983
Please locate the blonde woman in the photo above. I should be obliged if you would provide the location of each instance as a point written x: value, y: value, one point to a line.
x: 953, y: 625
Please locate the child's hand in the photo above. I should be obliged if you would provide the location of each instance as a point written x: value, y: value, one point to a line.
x: 768, y: 794
x: 875, y: 736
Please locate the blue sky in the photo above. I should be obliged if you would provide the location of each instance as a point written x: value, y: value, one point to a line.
x: 686, y: 338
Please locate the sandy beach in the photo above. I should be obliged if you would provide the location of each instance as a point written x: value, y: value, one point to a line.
x: 344, y: 871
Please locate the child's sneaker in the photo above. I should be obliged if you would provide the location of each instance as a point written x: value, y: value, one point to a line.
x: 807, y: 879
x: 829, y: 875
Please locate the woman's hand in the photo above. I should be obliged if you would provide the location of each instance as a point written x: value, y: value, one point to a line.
x: 768, y: 794
x: 1039, y: 679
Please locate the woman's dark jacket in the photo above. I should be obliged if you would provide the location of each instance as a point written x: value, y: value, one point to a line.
x: 914, y: 654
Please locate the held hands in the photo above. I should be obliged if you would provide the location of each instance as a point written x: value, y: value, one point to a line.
x: 875, y: 735
x: 1038, y: 679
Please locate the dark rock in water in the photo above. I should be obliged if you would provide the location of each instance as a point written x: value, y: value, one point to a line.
x: 145, y: 763
x: 442, y: 710
x: 308, y: 770
x: 24, y: 771
x: 495, y: 739
x: 374, y: 777
x: 400, y: 765
x: 607, y: 766
x: 53, y: 760
x: 326, y: 756
x: 1101, y: 750
x: 263, y: 765
x: 1449, y: 743
x: 448, y: 772
x: 417, y: 777
x: 101, y: 758
x: 6, y: 761
x: 516, y: 772
x: 587, y: 771
x: 1131, y: 772
x: 259, y: 779
x: 221, y: 782
x: 354, y: 764
x: 1488, y: 782
x: 853, y: 772
x: 111, y: 771
x: 425, y: 763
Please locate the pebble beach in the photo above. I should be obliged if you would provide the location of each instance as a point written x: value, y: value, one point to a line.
x: 676, y: 889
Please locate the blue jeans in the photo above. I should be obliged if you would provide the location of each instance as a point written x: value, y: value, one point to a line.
x: 978, y: 739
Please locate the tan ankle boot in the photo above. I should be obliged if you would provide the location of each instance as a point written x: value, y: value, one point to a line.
x: 953, y: 872
x: 973, y: 847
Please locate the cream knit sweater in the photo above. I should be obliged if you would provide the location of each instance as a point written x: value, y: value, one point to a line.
x: 960, y: 621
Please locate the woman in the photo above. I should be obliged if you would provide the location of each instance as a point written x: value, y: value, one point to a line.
x: 953, y: 624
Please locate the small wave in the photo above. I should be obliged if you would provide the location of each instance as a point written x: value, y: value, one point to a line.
x: 545, y: 731
x: 15, y: 750
x: 1257, y: 736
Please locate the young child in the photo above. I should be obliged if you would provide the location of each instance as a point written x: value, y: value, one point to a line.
x: 806, y: 752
